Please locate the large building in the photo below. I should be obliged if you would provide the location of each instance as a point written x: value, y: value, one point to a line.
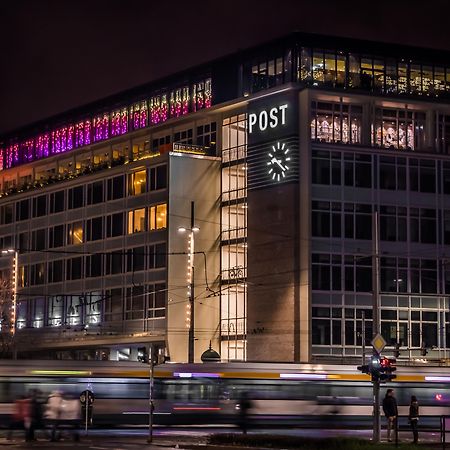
x: 284, y: 157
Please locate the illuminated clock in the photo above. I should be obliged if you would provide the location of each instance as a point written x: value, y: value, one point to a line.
x: 278, y: 161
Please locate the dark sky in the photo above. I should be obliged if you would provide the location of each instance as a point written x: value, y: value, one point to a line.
x: 59, y: 54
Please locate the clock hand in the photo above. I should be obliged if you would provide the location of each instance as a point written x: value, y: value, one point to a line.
x: 281, y: 165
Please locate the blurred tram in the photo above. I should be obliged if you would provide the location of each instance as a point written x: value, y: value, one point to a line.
x: 281, y: 394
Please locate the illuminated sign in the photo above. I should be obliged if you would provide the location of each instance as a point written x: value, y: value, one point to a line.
x: 267, y: 118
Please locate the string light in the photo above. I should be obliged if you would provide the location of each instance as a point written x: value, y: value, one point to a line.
x: 138, y: 116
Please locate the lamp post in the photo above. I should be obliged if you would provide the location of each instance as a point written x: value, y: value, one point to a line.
x: 14, y: 282
x: 191, y: 283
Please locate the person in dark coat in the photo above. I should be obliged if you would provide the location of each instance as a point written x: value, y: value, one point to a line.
x: 413, y: 418
x: 390, y: 411
x: 36, y: 414
x: 244, y: 406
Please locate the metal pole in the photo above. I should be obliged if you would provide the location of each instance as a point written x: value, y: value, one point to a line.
x: 150, y: 395
x: 363, y: 337
x: 376, y: 323
x: 191, y: 291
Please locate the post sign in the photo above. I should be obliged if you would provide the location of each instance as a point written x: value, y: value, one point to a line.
x: 87, y: 397
x: 272, y: 153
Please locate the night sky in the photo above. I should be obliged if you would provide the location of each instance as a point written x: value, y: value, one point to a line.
x: 56, y: 55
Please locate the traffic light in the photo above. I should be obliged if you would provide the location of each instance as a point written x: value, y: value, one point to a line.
x: 387, y: 369
x: 380, y: 368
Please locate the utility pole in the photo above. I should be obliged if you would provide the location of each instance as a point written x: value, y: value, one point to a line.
x: 191, y: 289
x: 151, y: 389
x: 376, y: 322
x: 190, y: 319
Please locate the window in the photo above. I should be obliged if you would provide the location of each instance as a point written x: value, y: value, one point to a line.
x: 422, y: 175
x: 156, y: 308
x: 94, y: 229
x: 399, y: 129
x: 443, y: 134
x: 56, y: 202
x: 40, y: 206
x: 358, y: 221
x: 75, y: 233
x: 114, y: 263
x: 326, y: 168
x: 56, y: 236
x: 336, y: 122
x: 95, y: 193
x: 393, y: 223
x: 94, y: 265
x: 113, y: 305
x: 423, y: 273
x: 55, y: 271
x: 136, y: 259
x: 394, y: 274
x: 114, y: 225
x: 326, y: 219
x: 269, y: 72
x: 23, y: 210
x: 392, y: 173
x: 423, y: 225
x: 115, y: 187
x: 158, y: 177
x: 75, y: 197
x: 6, y: 214
x: 38, y: 239
x: 158, y: 256
x: 234, y: 138
x: 136, y: 221
x: 74, y: 268
x: 358, y: 274
x: 137, y: 182
x: 55, y: 306
x: 326, y: 272
x: 206, y: 137
x: 37, y: 274
x: 158, y: 216
x: 358, y: 170
x: 183, y: 137
x: 134, y: 303
x: 159, y: 144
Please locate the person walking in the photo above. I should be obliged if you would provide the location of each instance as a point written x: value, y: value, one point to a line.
x: 413, y: 417
x: 244, y: 406
x: 53, y: 413
x: 390, y: 411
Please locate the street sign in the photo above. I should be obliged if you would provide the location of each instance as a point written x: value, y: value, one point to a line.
x: 87, y: 397
x: 378, y: 343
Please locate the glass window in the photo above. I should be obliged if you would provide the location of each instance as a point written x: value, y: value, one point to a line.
x: 23, y: 210
x: 137, y: 182
x: 115, y: 187
x: 56, y: 202
x: 6, y: 214
x: 95, y: 193
x: 94, y: 229
x: 158, y: 216
x: 38, y: 239
x: 40, y: 206
x: 74, y: 268
x: 136, y: 221
x: 56, y: 236
x: 114, y: 225
x: 55, y: 271
x: 76, y: 199
x: 75, y: 233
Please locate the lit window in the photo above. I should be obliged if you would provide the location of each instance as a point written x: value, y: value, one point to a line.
x: 75, y: 233
x: 136, y: 221
x: 158, y: 216
x: 137, y: 182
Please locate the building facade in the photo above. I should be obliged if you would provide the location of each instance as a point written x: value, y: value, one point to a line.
x: 296, y: 155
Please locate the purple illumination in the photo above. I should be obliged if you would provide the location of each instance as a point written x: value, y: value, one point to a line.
x: 119, y: 122
x: 158, y: 109
x: 101, y: 127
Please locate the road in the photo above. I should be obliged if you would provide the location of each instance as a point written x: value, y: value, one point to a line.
x: 182, y: 437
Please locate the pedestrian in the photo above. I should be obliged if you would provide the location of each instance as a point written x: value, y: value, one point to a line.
x: 413, y: 417
x: 36, y: 414
x: 53, y: 412
x: 390, y: 411
x: 244, y: 406
x: 21, y: 416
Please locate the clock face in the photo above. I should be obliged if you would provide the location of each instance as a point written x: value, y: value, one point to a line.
x: 278, y: 161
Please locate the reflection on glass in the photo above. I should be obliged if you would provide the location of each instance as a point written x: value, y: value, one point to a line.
x: 158, y: 217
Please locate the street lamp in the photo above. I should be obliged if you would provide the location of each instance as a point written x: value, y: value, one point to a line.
x: 190, y: 312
